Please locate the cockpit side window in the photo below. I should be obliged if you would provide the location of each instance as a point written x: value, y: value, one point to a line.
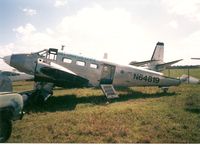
x: 42, y: 53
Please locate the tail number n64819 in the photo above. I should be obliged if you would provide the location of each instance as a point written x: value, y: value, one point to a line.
x: 146, y: 78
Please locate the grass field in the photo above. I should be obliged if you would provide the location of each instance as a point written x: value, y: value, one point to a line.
x: 140, y: 115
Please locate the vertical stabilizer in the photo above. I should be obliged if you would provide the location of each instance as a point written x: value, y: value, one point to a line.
x: 158, y: 54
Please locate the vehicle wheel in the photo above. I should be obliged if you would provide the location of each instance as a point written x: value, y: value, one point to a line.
x: 5, y: 130
x: 39, y: 100
x: 36, y: 99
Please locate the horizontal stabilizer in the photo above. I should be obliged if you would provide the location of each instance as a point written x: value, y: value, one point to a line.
x: 156, y: 58
x: 165, y: 65
x: 196, y: 58
x: 141, y: 63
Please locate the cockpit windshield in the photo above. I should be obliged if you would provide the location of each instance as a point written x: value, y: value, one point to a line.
x: 50, y: 53
x: 42, y: 53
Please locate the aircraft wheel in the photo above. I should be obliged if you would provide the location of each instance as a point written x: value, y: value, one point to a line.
x: 40, y: 100
x: 5, y: 130
x: 165, y: 90
x: 36, y: 98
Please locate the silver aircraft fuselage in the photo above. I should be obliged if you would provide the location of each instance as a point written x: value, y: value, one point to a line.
x: 95, y: 71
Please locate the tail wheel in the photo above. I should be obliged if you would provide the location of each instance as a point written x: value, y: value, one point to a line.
x: 165, y: 89
x: 5, y: 130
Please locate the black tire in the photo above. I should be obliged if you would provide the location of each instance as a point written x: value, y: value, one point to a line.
x: 5, y: 130
x: 36, y: 99
x: 165, y: 90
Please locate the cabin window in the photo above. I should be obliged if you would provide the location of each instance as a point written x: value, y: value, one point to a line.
x: 67, y: 60
x: 81, y: 63
x: 92, y: 65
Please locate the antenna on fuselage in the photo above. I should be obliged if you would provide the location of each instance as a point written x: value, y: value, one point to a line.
x: 62, y: 47
x: 105, y: 56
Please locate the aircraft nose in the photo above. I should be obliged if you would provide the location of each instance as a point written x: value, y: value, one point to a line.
x: 16, y: 61
x: 21, y: 62
x: 6, y: 59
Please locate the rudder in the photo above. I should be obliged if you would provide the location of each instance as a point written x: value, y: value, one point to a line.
x: 158, y: 54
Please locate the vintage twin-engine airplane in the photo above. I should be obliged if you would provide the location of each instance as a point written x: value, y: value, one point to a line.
x: 52, y: 68
x: 156, y: 63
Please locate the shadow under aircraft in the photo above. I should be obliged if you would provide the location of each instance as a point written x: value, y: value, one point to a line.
x: 69, y: 102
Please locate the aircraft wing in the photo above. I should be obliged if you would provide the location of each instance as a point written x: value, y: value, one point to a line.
x: 141, y: 62
x: 196, y: 58
x: 165, y: 65
x: 57, y: 74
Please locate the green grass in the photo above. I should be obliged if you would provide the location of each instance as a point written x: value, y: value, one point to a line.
x: 140, y: 115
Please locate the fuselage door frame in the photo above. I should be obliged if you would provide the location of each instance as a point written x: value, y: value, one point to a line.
x: 107, y: 74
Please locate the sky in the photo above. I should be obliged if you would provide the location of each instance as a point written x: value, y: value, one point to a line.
x: 127, y: 30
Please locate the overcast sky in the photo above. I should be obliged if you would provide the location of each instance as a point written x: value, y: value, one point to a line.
x: 126, y: 29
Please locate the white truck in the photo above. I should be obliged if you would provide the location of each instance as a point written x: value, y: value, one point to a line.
x: 11, y: 106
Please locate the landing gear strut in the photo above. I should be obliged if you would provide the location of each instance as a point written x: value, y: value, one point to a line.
x: 41, y: 92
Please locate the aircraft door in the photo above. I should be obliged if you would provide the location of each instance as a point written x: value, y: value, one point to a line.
x: 107, y: 74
